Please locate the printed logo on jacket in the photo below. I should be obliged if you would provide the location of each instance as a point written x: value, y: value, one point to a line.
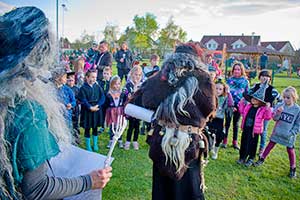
x: 286, y: 117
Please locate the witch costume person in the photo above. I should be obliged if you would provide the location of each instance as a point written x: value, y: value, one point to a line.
x: 183, y: 97
x: 32, y: 125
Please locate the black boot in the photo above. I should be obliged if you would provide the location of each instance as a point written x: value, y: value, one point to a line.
x: 292, y: 173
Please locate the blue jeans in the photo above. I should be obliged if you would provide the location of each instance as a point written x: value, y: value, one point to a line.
x: 263, y: 136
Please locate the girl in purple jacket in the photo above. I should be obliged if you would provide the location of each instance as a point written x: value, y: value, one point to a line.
x: 254, y: 114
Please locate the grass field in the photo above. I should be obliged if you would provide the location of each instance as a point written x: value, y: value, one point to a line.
x: 132, y: 170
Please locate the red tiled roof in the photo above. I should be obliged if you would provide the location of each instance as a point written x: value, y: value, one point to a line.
x: 276, y: 45
x: 229, y: 39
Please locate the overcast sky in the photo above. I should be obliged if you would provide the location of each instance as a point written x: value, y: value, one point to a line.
x: 273, y: 20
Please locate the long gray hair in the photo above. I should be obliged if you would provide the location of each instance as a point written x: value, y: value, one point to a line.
x: 179, y: 68
x: 166, y: 112
x: 26, y: 85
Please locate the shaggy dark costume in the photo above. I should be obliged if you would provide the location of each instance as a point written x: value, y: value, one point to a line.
x: 156, y: 94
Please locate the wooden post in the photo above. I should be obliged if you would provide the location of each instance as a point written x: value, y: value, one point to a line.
x: 224, y: 56
x: 257, y: 61
x: 290, y: 67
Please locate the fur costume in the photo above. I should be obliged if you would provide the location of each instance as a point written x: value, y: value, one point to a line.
x: 184, y: 101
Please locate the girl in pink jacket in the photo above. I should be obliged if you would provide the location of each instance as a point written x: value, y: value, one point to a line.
x: 254, y: 114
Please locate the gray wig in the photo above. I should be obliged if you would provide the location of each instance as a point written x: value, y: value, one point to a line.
x: 22, y: 82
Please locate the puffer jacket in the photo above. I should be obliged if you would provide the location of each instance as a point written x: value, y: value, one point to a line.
x: 263, y: 113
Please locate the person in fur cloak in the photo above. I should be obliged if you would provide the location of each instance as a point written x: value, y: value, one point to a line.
x: 182, y: 104
x: 32, y: 125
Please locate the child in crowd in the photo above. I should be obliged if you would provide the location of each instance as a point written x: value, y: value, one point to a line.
x: 92, y: 98
x: 210, y: 62
x: 153, y: 68
x: 136, y: 74
x: 287, y: 117
x: 79, y: 72
x: 238, y: 84
x: 104, y: 83
x: 212, y: 72
x: 148, y: 72
x: 216, y: 126
x: 271, y: 96
x: 254, y: 114
x: 76, y: 109
x: 114, y: 105
x: 65, y: 94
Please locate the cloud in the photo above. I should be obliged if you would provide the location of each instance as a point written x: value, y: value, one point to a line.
x: 223, y: 8
x: 4, y: 7
x: 244, y: 8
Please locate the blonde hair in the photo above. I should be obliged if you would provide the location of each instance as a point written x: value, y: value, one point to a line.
x: 241, y: 65
x: 79, y: 64
x: 292, y: 91
x: 113, y: 80
x: 136, y: 68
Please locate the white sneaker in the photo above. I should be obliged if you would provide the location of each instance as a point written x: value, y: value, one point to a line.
x: 214, y: 155
x: 127, y: 145
x: 135, y: 145
x: 109, y: 144
x: 120, y: 144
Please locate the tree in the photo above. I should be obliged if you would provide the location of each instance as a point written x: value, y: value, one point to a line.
x: 85, y: 41
x: 64, y: 43
x: 145, y: 31
x: 169, y: 36
x: 128, y: 36
x: 296, y: 58
x: 111, y: 33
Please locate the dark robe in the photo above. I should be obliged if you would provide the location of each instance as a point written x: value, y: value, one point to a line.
x: 152, y: 93
x: 91, y: 96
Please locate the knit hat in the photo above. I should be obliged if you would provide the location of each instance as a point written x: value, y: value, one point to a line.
x: 20, y: 31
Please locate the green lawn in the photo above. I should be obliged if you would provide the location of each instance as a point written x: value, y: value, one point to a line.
x: 132, y: 170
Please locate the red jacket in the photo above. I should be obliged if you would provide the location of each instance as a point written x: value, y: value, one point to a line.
x: 263, y: 113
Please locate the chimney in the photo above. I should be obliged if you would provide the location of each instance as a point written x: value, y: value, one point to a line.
x: 242, y: 34
x: 252, y: 38
x: 220, y: 34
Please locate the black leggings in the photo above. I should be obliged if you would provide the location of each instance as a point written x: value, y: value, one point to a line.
x: 248, y: 144
x: 87, y: 132
x: 134, y: 124
x: 236, y: 117
x: 123, y: 73
x: 216, y: 127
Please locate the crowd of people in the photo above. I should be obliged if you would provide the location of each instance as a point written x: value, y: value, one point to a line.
x: 99, y: 94
x: 235, y: 99
x: 186, y: 94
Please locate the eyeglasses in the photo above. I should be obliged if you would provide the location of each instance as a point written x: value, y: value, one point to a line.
x: 286, y: 97
x: 70, y: 80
